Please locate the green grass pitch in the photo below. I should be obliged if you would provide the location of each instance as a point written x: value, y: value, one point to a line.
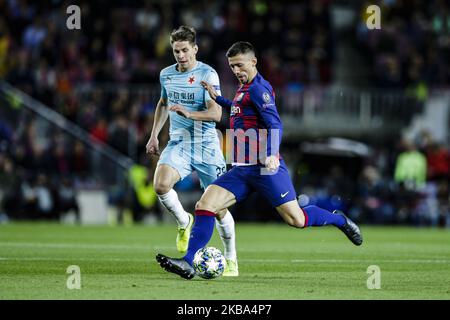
x: 275, y: 262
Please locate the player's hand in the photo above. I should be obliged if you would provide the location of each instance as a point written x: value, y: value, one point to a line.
x: 152, y: 146
x: 272, y: 163
x: 181, y: 111
x: 212, y: 92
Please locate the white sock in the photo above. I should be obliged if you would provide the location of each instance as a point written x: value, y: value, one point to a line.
x: 173, y: 205
x: 225, y: 227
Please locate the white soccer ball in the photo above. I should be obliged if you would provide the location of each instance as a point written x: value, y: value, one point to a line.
x: 209, y: 263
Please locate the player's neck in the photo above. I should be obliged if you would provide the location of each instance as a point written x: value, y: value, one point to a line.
x: 251, y: 77
x: 189, y: 68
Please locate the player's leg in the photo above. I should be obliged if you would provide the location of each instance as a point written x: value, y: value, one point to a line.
x: 224, y: 220
x: 225, y: 228
x: 172, y: 167
x: 310, y: 216
x: 164, y: 180
x: 292, y: 214
x: 279, y: 190
x: 224, y: 192
x: 215, y: 199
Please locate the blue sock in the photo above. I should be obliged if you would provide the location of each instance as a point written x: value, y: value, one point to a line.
x: 202, y: 232
x: 315, y: 216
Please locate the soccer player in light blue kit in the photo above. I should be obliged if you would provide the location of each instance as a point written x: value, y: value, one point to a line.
x: 193, y: 145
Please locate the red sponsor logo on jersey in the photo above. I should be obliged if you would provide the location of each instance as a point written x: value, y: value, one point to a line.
x: 191, y: 80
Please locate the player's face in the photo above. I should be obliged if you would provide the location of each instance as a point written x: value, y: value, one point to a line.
x: 184, y: 53
x: 243, y: 67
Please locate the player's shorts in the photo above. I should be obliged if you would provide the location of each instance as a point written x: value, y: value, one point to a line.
x: 206, y: 158
x: 241, y: 180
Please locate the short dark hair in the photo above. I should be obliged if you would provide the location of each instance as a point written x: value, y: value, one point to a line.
x: 183, y: 33
x: 240, y: 47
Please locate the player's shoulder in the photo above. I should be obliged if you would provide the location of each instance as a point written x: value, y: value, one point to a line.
x: 260, y: 84
x: 168, y: 70
x: 206, y: 68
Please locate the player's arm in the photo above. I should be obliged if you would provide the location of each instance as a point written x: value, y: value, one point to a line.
x: 264, y: 103
x: 216, y: 96
x: 160, y: 119
x: 213, y: 112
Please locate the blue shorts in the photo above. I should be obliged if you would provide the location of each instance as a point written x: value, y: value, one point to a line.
x: 241, y: 180
x: 205, y: 158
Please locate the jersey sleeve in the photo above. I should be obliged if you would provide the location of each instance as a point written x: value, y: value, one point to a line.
x: 224, y: 102
x: 212, y: 78
x: 263, y: 99
x: 163, y: 89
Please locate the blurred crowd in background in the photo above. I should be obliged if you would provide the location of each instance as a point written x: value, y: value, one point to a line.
x: 127, y: 43
x: 404, y: 183
x: 411, y: 50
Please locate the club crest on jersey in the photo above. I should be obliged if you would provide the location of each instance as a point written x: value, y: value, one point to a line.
x: 191, y: 80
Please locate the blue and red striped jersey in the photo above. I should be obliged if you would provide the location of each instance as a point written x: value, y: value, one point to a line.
x: 255, y: 125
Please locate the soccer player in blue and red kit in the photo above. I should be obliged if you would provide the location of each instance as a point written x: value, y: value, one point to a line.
x: 253, y: 119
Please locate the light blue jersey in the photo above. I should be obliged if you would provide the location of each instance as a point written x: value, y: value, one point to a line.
x: 193, y: 145
x: 184, y: 88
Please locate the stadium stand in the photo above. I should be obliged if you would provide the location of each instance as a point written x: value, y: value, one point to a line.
x: 103, y: 81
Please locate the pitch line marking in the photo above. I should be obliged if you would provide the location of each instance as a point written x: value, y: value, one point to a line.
x: 438, y: 261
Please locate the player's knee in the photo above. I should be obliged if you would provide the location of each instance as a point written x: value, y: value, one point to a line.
x: 293, y: 218
x: 299, y: 224
x: 205, y: 205
x: 221, y: 214
x: 161, y: 187
x: 295, y: 223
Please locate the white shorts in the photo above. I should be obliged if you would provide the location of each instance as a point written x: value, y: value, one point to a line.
x: 206, y: 158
